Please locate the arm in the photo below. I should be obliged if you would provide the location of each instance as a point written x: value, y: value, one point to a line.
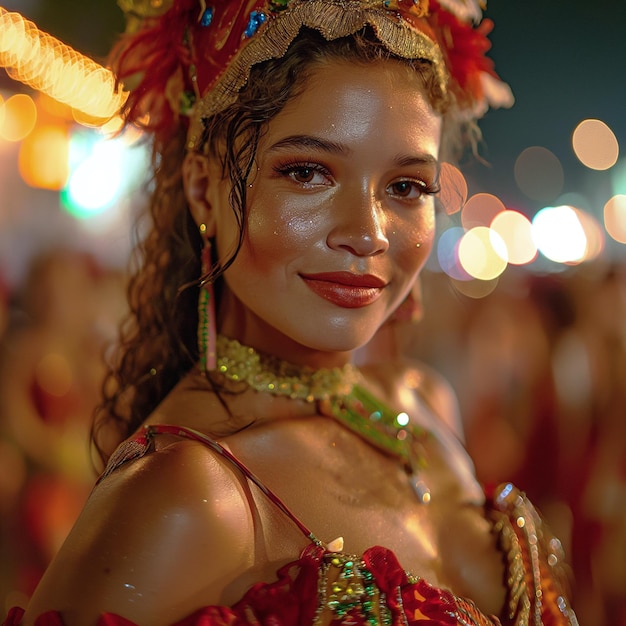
x: 156, y: 541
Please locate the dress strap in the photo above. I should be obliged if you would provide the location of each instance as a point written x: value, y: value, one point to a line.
x: 142, y: 443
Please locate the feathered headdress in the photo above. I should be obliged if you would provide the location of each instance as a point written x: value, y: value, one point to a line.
x: 188, y: 59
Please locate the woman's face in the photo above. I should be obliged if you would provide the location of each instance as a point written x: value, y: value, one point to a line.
x: 340, y: 214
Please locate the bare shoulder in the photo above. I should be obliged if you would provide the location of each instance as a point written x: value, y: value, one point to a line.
x: 176, y: 519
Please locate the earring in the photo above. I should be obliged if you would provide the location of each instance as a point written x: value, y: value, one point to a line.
x: 206, y: 311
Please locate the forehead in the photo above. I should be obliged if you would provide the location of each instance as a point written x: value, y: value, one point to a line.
x: 383, y: 101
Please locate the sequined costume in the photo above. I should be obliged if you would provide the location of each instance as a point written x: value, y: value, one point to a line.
x: 325, y: 587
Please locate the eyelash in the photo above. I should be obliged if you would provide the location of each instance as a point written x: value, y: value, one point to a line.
x: 291, y: 168
x: 426, y: 189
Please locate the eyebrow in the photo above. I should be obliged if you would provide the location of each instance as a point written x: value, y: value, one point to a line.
x: 333, y: 147
x: 421, y: 159
x: 308, y: 141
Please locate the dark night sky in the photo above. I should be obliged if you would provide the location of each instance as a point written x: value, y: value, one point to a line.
x: 564, y: 60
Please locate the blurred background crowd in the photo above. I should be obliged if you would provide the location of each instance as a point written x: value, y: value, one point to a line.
x: 533, y: 340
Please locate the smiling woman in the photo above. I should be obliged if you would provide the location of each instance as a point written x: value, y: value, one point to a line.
x: 253, y: 473
x: 340, y: 213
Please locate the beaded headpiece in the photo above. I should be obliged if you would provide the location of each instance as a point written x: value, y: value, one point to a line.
x: 188, y: 59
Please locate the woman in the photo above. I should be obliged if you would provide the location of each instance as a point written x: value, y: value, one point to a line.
x: 274, y: 483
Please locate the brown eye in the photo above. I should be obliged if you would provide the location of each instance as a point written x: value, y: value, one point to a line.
x: 306, y: 175
x: 407, y: 189
x: 403, y: 188
x: 303, y: 174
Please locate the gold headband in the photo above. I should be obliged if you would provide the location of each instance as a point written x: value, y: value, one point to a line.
x: 333, y: 19
x: 186, y: 60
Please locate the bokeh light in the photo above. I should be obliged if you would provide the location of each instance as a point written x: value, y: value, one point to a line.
x: 595, y: 145
x: 43, y: 159
x: 615, y: 217
x: 515, y: 229
x: 539, y: 174
x: 594, y: 235
x: 559, y: 235
x: 48, y: 65
x: 18, y: 118
x: 447, y: 253
x: 480, y: 210
x: 114, y: 126
x: 453, y: 194
x: 95, y: 181
x: 482, y: 253
x: 53, y: 108
x: 102, y: 169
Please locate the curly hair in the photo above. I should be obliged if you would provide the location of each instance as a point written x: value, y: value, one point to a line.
x: 158, y: 340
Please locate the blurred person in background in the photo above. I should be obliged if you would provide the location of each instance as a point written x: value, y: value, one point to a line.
x: 51, y: 373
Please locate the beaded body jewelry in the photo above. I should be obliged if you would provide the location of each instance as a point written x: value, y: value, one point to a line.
x: 206, y: 313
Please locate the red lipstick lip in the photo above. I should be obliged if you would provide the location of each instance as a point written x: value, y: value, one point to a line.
x: 348, y: 279
x: 344, y: 289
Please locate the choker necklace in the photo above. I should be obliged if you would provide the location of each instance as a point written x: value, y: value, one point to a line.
x: 339, y: 394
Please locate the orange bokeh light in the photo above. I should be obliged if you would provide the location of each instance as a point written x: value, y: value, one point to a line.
x: 19, y: 118
x: 44, y: 158
x: 595, y: 145
x: 48, y: 65
x: 480, y: 210
x: 615, y: 217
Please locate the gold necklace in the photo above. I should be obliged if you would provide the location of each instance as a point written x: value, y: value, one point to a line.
x: 338, y: 394
x: 269, y: 374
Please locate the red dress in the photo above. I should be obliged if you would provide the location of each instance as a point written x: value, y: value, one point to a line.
x: 331, y: 588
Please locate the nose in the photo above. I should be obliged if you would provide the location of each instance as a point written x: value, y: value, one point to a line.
x: 360, y: 225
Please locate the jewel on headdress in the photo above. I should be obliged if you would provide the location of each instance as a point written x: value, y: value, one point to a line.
x: 206, y: 17
x: 439, y: 31
x: 417, y: 8
x: 257, y: 19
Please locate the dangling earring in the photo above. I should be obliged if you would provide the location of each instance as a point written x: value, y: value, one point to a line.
x: 206, y: 311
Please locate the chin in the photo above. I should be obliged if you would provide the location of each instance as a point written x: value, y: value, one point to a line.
x: 344, y: 337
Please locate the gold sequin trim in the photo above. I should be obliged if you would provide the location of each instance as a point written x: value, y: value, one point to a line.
x: 333, y: 19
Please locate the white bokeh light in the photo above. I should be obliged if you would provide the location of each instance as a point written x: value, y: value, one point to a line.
x: 559, y: 235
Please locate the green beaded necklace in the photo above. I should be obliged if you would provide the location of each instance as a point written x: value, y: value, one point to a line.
x: 338, y: 393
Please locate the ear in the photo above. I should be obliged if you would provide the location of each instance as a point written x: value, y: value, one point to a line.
x: 199, y: 184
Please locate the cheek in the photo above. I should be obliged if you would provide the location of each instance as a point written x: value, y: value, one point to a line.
x: 414, y: 241
x: 282, y: 234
